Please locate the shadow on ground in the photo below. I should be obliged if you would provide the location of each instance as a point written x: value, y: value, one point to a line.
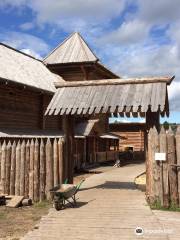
x: 113, y: 185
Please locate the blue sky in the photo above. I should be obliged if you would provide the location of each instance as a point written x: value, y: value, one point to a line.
x: 133, y: 38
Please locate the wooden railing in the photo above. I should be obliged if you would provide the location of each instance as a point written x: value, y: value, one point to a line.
x: 30, y: 167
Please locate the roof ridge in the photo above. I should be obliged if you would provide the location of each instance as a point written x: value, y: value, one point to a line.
x: 19, y: 51
x: 61, y: 43
x: 82, y: 39
x: 78, y: 39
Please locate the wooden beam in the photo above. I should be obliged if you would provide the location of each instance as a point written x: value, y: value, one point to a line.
x: 119, y: 81
x: 85, y: 72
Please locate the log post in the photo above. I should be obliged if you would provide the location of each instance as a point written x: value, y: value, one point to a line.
x: 27, y: 168
x: 8, y: 167
x: 22, y: 169
x: 164, y: 170
x: 68, y: 128
x: 13, y: 169
x: 152, y: 120
x: 36, y: 171
x: 31, y: 170
x: 172, y: 169
x: 149, y: 171
x: 61, y: 160
x: 49, y: 168
x: 3, y: 167
x: 42, y: 170
x: 156, y: 166
x: 0, y: 162
x: 18, y: 164
x: 55, y: 158
x: 178, y: 158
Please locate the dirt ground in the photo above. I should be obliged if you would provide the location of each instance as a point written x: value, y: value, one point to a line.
x: 15, y: 222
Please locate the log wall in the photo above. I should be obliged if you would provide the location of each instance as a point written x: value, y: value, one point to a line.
x: 30, y: 167
x: 25, y: 109
x: 163, y: 178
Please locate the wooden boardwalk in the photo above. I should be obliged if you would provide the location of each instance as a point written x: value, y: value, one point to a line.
x: 109, y: 207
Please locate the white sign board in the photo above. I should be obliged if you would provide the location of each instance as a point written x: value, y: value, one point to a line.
x: 160, y: 156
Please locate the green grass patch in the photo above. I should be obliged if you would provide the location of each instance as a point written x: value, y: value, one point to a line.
x: 156, y: 205
x: 3, y: 215
x: 43, y: 204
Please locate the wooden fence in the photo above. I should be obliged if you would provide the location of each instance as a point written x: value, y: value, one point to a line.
x: 30, y: 167
x: 163, y: 177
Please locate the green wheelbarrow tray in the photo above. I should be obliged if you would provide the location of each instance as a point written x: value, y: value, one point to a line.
x: 63, y: 193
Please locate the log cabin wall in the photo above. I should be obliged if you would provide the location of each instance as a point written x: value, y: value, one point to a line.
x: 79, y: 73
x: 50, y: 122
x: 133, y: 135
x: 19, y: 108
x: 24, y: 109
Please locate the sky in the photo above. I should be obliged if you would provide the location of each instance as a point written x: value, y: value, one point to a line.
x: 134, y: 38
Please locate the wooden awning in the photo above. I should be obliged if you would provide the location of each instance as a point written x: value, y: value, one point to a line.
x: 116, y: 96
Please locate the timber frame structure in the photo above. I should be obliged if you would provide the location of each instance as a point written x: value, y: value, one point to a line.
x: 106, y: 97
x: 43, y: 103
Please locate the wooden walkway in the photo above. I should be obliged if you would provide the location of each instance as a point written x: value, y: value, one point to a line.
x: 109, y: 207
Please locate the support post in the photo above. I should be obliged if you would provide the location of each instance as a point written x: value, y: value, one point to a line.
x: 68, y: 128
x: 152, y: 120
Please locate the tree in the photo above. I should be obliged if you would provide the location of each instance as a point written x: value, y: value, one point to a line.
x: 166, y: 125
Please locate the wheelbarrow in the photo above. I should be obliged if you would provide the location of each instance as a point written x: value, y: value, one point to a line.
x: 64, y: 193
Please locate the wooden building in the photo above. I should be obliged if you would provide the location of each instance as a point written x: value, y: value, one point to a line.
x: 132, y: 134
x: 43, y: 104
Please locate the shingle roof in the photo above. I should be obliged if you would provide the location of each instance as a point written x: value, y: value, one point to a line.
x: 74, y: 49
x: 111, y: 97
x: 21, y: 68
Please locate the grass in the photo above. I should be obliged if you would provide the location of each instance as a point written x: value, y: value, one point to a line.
x: 2, y: 215
x: 43, y: 204
x: 15, y: 222
x: 157, y: 206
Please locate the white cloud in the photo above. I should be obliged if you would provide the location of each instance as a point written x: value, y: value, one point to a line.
x: 26, y: 26
x: 158, y: 12
x: 128, y: 49
x: 71, y: 16
x: 25, y: 41
x: 129, y: 32
x: 14, y: 3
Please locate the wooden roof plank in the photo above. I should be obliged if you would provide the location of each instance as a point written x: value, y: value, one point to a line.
x: 113, y: 98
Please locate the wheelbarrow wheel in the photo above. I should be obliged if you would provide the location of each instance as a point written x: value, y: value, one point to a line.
x: 58, y: 205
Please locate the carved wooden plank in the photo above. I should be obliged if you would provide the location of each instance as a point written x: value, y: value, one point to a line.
x: 15, y: 201
x: 178, y: 159
x: 31, y: 170
x: 36, y: 171
x: 0, y: 161
x: 27, y: 169
x: 3, y: 167
x: 56, y: 162
x: 42, y: 170
x: 49, y: 168
x: 164, y: 169
x: 18, y: 164
x: 172, y: 170
x: 156, y: 165
x: 22, y: 168
x: 8, y: 167
x: 61, y: 163
x: 13, y: 168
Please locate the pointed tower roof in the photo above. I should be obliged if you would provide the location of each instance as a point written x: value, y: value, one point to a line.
x: 73, y: 49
